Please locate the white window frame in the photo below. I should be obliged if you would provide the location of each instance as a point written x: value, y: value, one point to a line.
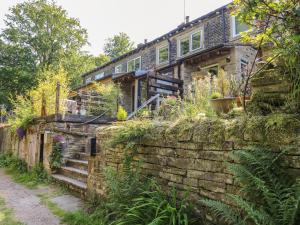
x: 201, y: 40
x: 179, y: 45
x: 157, y: 54
x: 139, y: 58
x: 190, y: 38
x: 233, y: 25
x: 120, y: 65
x: 88, y: 80
x: 99, y: 76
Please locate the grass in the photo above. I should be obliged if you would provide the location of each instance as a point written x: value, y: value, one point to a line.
x: 19, y: 172
x: 6, y: 215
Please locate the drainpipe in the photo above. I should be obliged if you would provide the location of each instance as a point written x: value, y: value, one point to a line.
x: 224, y: 25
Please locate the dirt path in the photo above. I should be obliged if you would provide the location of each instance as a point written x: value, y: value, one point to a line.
x: 25, y: 203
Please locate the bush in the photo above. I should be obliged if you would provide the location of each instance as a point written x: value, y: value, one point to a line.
x: 216, y: 95
x: 56, y: 157
x: 269, y: 194
x: 122, y: 114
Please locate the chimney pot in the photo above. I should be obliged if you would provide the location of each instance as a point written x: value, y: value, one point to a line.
x: 187, y: 19
x: 145, y: 41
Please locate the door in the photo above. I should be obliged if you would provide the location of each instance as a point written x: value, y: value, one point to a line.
x: 42, y: 148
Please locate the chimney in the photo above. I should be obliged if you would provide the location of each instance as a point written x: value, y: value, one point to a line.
x: 187, y: 19
x: 145, y: 41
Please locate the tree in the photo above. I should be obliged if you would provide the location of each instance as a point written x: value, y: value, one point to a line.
x: 38, y: 35
x: 276, y: 23
x: 118, y: 45
x: 101, y: 59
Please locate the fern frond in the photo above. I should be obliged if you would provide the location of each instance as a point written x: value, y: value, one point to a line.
x: 223, y: 211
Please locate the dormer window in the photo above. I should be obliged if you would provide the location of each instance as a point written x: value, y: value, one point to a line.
x: 99, y: 76
x: 162, y: 55
x: 134, y: 64
x: 88, y: 80
x: 238, y: 27
x: 190, y: 43
x: 120, y: 69
x: 184, y: 46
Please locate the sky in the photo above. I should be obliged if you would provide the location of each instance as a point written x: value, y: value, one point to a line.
x: 140, y: 19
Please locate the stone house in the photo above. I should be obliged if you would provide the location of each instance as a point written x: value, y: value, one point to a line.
x: 169, y: 64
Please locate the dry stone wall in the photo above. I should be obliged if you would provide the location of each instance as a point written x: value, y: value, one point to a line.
x: 192, y: 156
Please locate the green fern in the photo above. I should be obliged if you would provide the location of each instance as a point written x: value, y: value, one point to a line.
x: 270, y: 196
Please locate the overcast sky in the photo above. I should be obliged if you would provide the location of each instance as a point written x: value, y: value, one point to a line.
x: 140, y: 19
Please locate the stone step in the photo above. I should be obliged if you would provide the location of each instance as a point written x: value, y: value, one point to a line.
x: 81, y: 156
x: 76, y: 187
x: 74, y: 173
x: 78, y: 164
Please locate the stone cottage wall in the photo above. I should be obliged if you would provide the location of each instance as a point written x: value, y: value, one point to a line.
x: 192, y: 157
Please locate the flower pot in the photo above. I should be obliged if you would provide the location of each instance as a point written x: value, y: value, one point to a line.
x: 222, y: 105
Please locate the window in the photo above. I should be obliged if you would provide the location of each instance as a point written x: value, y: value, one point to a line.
x: 190, y: 43
x: 88, y: 80
x: 134, y: 64
x: 184, y: 46
x: 196, y: 40
x: 238, y: 27
x: 99, y: 76
x: 244, y: 68
x: 163, y: 55
x: 213, y: 70
x: 120, y: 69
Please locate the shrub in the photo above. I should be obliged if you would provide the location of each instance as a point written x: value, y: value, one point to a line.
x: 269, y: 195
x: 216, y: 95
x: 122, y: 114
x: 56, y: 157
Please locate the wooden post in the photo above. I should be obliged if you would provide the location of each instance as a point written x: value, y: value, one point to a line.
x: 43, y: 109
x: 57, y: 99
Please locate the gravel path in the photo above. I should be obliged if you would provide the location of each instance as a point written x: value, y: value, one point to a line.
x: 25, y: 203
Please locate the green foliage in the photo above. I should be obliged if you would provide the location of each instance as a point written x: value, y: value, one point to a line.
x: 20, y: 173
x: 278, y: 23
x: 38, y: 35
x: 122, y: 114
x: 101, y: 59
x: 56, y: 157
x: 269, y: 195
x: 132, y: 199
x: 22, y: 113
x: 108, y: 94
x: 216, y: 95
x: 118, y: 45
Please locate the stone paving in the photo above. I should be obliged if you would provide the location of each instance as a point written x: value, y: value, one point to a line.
x: 27, y: 206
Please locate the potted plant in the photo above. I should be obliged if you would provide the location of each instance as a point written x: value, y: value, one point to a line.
x: 220, y: 100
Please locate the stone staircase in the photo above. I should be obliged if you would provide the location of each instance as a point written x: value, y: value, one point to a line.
x: 74, y: 174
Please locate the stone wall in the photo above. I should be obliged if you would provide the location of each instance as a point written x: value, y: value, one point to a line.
x: 192, y: 155
x: 76, y: 136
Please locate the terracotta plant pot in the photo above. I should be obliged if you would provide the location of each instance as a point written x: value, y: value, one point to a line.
x: 222, y: 105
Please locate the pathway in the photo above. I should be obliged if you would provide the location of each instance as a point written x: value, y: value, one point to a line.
x: 25, y: 203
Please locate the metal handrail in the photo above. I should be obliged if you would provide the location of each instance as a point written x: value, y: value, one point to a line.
x: 146, y: 103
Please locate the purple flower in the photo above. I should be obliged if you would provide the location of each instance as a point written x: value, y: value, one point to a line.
x: 59, y: 139
x: 20, y: 132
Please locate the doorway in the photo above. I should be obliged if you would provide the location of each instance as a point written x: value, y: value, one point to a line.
x: 41, y: 160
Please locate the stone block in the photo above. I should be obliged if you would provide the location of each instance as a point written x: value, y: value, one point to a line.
x: 208, y: 165
x: 180, y: 163
x: 210, y: 176
x: 212, y: 186
x: 171, y: 177
x: 190, y: 182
